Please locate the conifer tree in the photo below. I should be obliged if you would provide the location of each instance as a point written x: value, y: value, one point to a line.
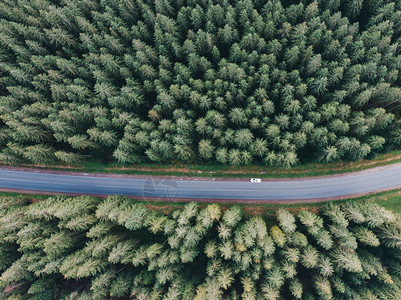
x: 260, y: 82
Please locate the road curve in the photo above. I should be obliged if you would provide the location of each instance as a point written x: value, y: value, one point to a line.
x: 179, y: 189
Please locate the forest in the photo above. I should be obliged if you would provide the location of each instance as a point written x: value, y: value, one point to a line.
x: 235, y: 82
x: 116, y: 248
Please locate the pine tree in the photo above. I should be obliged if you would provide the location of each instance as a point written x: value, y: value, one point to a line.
x: 206, y: 149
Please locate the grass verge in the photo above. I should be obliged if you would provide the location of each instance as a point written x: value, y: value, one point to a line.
x: 391, y: 200
x: 216, y: 170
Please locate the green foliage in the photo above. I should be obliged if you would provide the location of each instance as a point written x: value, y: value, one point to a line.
x: 235, y: 82
x: 195, y: 253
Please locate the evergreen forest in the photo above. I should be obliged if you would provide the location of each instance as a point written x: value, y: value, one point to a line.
x: 88, y: 248
x: 235, y: 82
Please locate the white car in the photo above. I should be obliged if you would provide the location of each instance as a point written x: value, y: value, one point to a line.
x: 256, y: 180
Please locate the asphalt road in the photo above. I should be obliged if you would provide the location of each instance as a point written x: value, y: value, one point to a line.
x: 328, y: 187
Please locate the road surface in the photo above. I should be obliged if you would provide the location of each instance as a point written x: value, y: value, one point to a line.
x: 295, y: 190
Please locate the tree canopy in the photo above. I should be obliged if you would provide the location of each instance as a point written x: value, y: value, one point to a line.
x: 115, y: 248
x: 232, y: 81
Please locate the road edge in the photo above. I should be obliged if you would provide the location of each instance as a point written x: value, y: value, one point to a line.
x: 192, y: 178
x: 208, y: 200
